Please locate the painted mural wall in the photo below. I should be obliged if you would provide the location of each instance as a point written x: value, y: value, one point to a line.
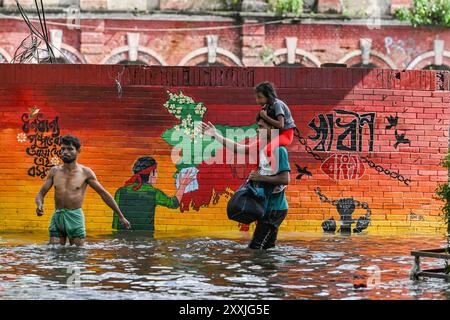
x: 368, y: 148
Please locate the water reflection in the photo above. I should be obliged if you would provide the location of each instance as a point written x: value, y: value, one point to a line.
x: 134, y: 265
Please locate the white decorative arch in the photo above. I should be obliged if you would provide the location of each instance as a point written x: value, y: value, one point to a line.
x: 73, y: 51
x: 5, y: 55
x: 425, y: 56
x: 204, y: 50
x: 377, y: 54
x: 145, y: 50
x: 298, y: 52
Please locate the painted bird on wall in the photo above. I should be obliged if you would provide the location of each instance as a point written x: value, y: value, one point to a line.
x: 302, y: 171
x: 400, y: 139
x: 393, y: 121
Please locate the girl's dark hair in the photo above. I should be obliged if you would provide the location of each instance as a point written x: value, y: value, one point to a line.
x: 71, y: 140
x: 267, y: 89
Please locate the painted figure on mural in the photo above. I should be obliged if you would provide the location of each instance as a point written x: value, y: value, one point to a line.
x: 138, y: 198
x: 70, y: 181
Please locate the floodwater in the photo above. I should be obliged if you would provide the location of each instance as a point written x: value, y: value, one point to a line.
x: 218, y: 266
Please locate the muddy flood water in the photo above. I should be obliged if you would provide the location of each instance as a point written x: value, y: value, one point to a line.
x: 219, y: 266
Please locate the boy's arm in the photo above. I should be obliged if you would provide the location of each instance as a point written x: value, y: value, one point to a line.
x: 106, y: 196
x: 44, y: 190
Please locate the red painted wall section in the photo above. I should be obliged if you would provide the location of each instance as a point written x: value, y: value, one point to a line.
x: 376, y: 136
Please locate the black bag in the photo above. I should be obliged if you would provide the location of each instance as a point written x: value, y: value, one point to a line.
x: 248, y: 204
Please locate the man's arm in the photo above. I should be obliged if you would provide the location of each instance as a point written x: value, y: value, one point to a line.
x: 44, y: 190
x: 106, y: 197
x: 282, y: 178
x: 210, y: 130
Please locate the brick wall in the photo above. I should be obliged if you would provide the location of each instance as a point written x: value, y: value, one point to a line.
x: 375, y: 135
x: 102, y: 41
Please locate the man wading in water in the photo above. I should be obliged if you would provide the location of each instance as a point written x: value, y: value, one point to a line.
x: 70, y: 181
x: 273, y: 174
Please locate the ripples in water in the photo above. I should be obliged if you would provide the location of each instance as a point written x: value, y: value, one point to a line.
x: 142, y: 267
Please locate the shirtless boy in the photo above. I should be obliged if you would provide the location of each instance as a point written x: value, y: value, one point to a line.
x: 70, y: 181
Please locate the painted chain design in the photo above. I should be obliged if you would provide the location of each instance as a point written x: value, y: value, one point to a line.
x: 377, y: 167
x: 391, y: 174
x: 358, y: 204
x: 304, y: 143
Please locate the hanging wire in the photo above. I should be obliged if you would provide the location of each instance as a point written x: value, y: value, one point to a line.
x: 118, y: 81
x: 29, y: 50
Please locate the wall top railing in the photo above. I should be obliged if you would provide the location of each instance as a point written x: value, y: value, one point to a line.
x: 282, y: 77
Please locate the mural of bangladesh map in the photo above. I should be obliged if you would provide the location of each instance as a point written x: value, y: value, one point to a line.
x: 212, y: 179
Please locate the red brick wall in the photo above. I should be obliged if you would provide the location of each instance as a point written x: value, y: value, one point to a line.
x: 115, y: 130
x: 328, y: 42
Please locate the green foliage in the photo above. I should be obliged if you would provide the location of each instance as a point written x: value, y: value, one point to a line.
x: 267, y: 55
x: 443, y: 191
x: 426, y: 13
x: 235, y: 2
x: 446, y: 161
x: 286, y: 6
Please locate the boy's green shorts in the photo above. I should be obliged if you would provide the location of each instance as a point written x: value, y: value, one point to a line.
x: 67, y: 223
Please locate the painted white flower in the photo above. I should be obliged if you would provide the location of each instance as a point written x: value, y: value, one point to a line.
x: 21, y: 137
x: 55, y: 161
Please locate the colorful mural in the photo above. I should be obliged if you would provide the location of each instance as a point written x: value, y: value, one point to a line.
x: 373, y: 143
x: 138, y: 198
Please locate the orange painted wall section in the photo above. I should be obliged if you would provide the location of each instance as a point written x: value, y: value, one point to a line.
x: 377, y: 136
